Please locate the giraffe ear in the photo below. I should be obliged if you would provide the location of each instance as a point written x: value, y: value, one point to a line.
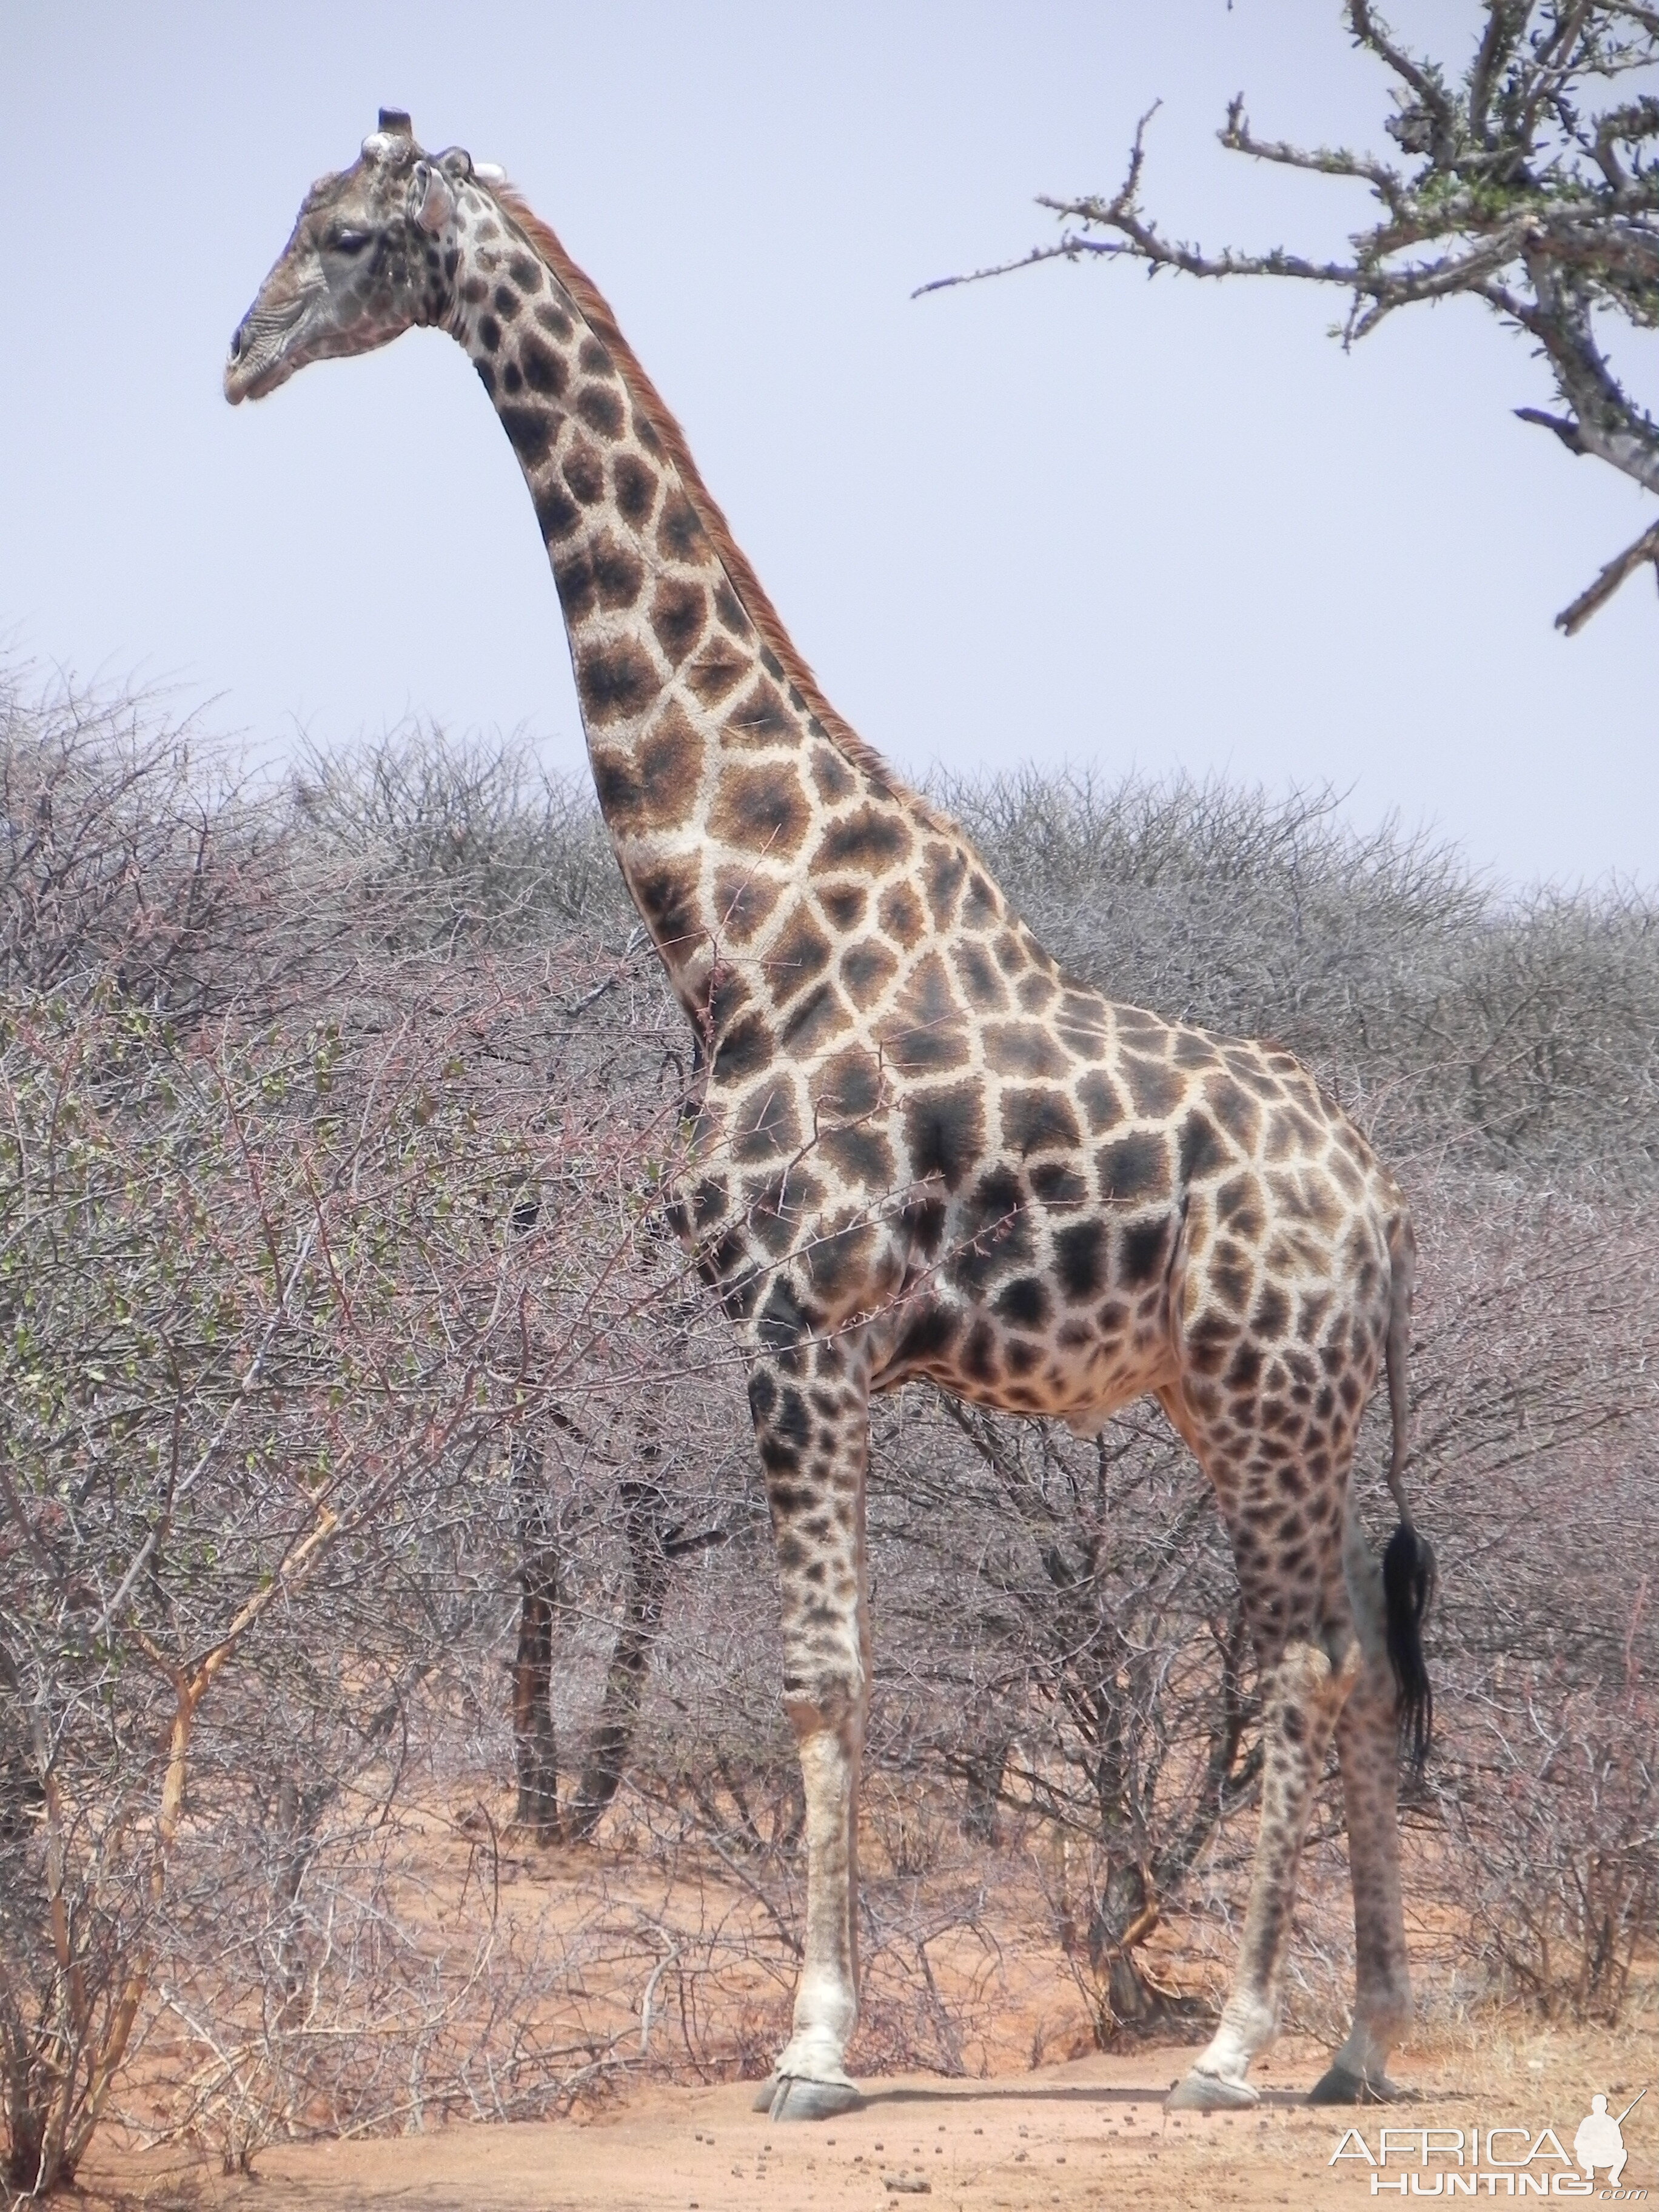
x: 431, y: 202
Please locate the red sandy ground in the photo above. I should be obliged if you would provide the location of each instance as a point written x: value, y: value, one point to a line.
x: 1090, y: 2133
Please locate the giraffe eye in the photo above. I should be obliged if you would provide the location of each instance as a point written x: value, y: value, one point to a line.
x: 349, y: 241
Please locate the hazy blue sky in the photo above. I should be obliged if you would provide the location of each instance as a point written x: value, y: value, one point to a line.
x: 1070, y: 516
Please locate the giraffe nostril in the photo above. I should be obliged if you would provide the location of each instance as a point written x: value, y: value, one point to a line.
x: 236, y: 341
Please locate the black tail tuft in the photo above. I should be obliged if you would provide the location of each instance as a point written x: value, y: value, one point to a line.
x: 1408, y: 1579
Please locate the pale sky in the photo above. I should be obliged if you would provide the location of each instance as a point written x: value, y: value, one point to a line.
x: 1068, y: 517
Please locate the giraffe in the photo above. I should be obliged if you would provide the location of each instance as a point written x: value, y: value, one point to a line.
x: 920, y: 1149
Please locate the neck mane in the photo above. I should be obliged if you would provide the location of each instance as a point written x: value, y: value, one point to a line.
x: 781, y: 867
x: 596, y: 311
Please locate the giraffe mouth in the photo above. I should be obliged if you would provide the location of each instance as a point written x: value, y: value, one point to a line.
x: 259, y: 357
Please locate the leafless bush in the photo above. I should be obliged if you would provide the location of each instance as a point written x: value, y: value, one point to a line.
x: 379, y: 1530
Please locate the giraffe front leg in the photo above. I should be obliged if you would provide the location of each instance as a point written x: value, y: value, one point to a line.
x: 1304, y: 1693
x: 811, y: 1418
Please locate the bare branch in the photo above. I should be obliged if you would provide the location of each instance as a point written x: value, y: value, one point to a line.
x: 1645, y: 549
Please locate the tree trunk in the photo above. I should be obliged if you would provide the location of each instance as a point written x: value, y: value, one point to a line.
x: 535, y: 1746
x: 1124, y: 1916
x: 612, y: 1737
x: 983, y: 1770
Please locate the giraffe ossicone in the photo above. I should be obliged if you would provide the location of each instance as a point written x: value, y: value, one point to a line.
x: 921, y: 1149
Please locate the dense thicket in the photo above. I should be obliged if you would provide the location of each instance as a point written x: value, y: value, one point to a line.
x: 366, y: 1448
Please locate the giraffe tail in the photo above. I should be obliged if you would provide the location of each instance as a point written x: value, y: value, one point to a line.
x: 1409, y: 1570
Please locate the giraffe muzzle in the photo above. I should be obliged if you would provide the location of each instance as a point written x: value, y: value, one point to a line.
x: 255, y: 364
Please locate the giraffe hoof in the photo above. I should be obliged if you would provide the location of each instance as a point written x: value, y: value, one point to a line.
x: 795, y: 2098
x: 1208, y: 2093
x: 1337, y: 2086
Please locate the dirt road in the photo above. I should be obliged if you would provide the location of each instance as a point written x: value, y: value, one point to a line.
x: 1089, y: 2134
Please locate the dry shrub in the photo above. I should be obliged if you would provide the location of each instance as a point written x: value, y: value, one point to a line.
x: 344, y: 1355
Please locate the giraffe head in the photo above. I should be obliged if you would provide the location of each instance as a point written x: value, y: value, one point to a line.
x: 369, y: 257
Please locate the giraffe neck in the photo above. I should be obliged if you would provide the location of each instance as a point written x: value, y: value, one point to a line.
x: 719, y: 769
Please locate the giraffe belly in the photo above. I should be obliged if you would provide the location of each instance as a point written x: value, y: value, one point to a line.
x: 1065, y: 1314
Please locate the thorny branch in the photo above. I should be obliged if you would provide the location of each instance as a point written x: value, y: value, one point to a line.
x: 1528, y: 185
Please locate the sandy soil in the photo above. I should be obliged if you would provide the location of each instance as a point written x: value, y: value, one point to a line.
x: 1090, y: 2133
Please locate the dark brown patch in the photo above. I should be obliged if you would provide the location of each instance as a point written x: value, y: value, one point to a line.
x: 680, y: 534
x: 814, y: 1022
x: 556, y: 512
x: 1154, y: 1089
x: 578, y: 594
x: 1023, y: 1303
x: 934, y: 1051
x: 1235, y: 1109
x: 1097, y: 1094
x: 583, y: 471
x: 595, y: 360
x: 765, y: 1126
x: 619, y: 572
x: 743, y: 901
x: 1037, y: 1119
x: 1080, y: 1260
x: 981, y: 985
x: 636, y: 488
x: 679, y: 615
x: 666, y: 897
x: 718, y: 670
x: 943, y: 868
x: 1059, y: 1185
x: 671, y: 761
x: 944, y: 1133
x: 866, y: 969
x: 1037, y: 991
x: 843, y: 905
x: 543, y: 369
x: 616, y: 680
x: 834, y: 780
x: 553, y: 319
x: 1024, y: 1048
x: 1239, y: 1208
x: 849, y: 1085
x: 928, y: 998
x: 1142, y: 1252
x: 901, y: 915
x: 761, y: 717
x: 858, y: 1155
x: 1135, y: 1170
x: 531, y: 426
x: 798, y: 958
x: 617, y: 783
x: 601, y: 409
x: 1202, y: 1147
x: 980, y: 905
x: 1190, y: 1050
x: 747, y: 1048
x: 872, y: 840
x: 760, y: 810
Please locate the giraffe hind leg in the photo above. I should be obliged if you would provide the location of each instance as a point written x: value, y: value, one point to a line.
x: 1368, y: 1752
x: 1286, y: 1540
